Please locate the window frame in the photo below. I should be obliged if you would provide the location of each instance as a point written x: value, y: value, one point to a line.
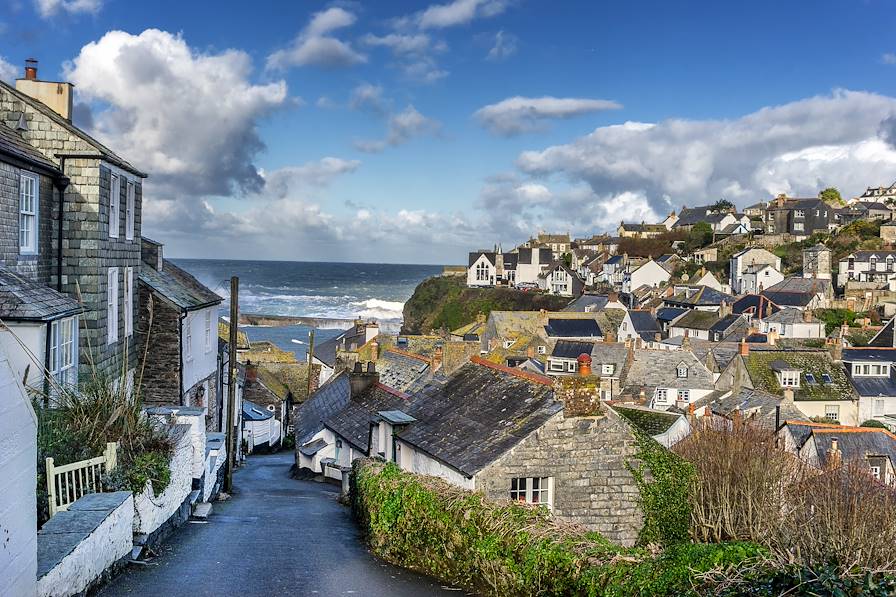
x: 112, y: 305
x: 63, y: 351
x: 130, y: 210
x: 208, y: 330
x: 661, y: 395
x: 832, y: 409
x: 128, y: 302
x: 34, y: 214
x: 527, y: 489
x: 188, y: 338
x: 608, y: 369
x: 114, y: 205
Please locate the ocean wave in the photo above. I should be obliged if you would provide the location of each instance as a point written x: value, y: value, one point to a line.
x: 380, y: 309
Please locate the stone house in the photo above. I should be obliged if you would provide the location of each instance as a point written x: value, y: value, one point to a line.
x: 662, y: 379
x: 178, y: 329
x: 801, y: 293
x: 798, y: 217
x: 39, y: 322
x: 649, y: 273
x: 95, y: 219
x: 746, y: 273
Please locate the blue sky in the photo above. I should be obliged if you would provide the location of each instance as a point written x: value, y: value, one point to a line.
x: 362, y: 131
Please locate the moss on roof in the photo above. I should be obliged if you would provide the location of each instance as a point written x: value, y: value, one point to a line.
x: 242, y: 340
x: 697, y: 320
x: 817, y: 363
x: 652, y: 422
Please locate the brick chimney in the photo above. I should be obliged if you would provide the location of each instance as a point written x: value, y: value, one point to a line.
x: 788, y: 394
x: 374, y: 350
x: 724, y: 309
x: 580, y: 395
x: 743, y: 348
x: 360, y: 380
x: 437, y: 357
x: 56, y: 95
x: 584, y: 361
x: 835, y: 457
x: 251, y: 372
x: 807, y: 316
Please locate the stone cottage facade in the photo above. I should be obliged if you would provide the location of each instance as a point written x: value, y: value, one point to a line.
x: 94, y: 226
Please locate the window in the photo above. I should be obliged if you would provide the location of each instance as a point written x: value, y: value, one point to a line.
x: 128, y: 302
x: 338, y: 448
x: 799, y: 213
x: 872, y: 263
x: 684, y: 395
x: 114, y: 200
x: 130, y: 211
x: 790, y: 379
x: 878, y: 407
x: 556, y: 365
x: 542, y: 349
x: 571, y: 366
x: 508, y: 343
x: 29, y: 190
x: 607, y: 368
x: 875, y: 472
x: 112, y: 305
x: 188, y: 338
x: 851, y: 263
x: 532, y: 490
x: 798, y: 227
x: 208, y: 331
x: 889, y: 263
x: 682, y: 371
x: 832, y: 412
x: 661, y: 395
x: 64, y: 351
x: 482, y: 273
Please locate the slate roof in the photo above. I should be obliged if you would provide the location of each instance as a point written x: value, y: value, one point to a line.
x: 757, y: 404
x: 178, y: 287
x: 587, y: 303
x: 818, y: 362
x: 253, y: 412
x: 879, y: 355
x: 886, y: 337
x: 657, y: 368
x: 604, y: 353
x: 790, y: 316
x: 510, y: 260
x: 669, y: 314
x: 796, y: 292
x: 353, y: 421
x: 312, y: 448
x: 524, y: 256
x: 652, y: 422
x: 474, y: 257
x: 22, y: 299
x: 866, y: 255
x: 728, y: 325
x: 697, y: 320
x: 568, y: 349
x: 703, y: 297
x: 326, y: 351
x: 854, y: 443
x: 480, y: 413
x: 755, y: 304
x: 329, y: 399
x: 866, y: 385
x: 401, y: 371
x: 692, y: 215
x: 645, y: 324
x: 39, y: 106
x: 614, y: 259
x: 573, y: 328
x: 14, y: 146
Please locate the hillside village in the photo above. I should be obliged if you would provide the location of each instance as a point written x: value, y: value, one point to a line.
x: 779, y: 318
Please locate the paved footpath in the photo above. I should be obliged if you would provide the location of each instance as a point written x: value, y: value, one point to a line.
x: 275, y: 536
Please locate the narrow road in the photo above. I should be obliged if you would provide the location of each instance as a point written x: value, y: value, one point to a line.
x: 275, y: 536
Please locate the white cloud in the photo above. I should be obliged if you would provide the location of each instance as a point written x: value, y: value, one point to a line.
x: 505, y: 46
x: 888, y: 58
x: 367, y: 96
x: 49, y: 8
x: 400, y: 43
x: 315, y: 46
x: 325, y: 103
x: 843, y: 140
x: 516, y: 115
x: 187, y: 118
x: 458, y: 12
x: 402, y: 127
x: 413, y: 53
x: 8, y: 72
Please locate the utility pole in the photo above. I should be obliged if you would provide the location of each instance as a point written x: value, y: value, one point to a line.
x: 310, y: 359
x: 231, y: 383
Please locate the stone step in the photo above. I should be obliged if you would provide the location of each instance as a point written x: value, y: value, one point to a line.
x: 202, y: 510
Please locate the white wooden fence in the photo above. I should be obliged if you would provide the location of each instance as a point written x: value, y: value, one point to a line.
x: 68, y: 482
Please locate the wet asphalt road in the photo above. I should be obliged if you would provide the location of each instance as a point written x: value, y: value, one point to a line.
x: 275, y: 536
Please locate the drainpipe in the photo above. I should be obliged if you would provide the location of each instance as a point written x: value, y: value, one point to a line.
x: 47, y: 366
x: 180, y: 351
x: 61, y: 185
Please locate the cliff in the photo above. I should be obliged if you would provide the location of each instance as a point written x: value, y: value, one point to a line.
x: 446, y: 302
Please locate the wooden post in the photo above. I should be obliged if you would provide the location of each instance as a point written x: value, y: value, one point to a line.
x: 310, y: 359
x: 111, y: 455
x: 51, y: 486
x: 231, y: 384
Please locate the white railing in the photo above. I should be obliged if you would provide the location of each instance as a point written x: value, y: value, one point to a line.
x: 68, y: 482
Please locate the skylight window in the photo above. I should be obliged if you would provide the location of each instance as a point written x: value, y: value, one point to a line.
x: 810, y: 379
x: 826, y: 378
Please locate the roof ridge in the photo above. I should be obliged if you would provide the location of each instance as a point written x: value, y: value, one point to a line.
x: 412, y: 355
x: 393, y: 391
x: 534, y: 377
x: 848, y: 429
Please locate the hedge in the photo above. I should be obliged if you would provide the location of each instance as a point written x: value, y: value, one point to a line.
x: 505, y: 548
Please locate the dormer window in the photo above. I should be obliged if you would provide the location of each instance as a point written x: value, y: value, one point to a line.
x: 789, y: 379
x: 608, y: 368
x: 799, y: 213
x: 871, y: 369
x: 681, y: 371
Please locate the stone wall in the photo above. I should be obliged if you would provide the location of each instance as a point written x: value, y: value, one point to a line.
x: 79, y: 547
x: 35, y: 267
x: 152, y: 512
x: 587, y: 458
x: 161, y: 372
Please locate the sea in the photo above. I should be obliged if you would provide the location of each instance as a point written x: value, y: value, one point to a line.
x: 312, y: 289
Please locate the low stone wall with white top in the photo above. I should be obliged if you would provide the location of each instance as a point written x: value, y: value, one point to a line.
x: 77, y: 548
x: 152, y: 512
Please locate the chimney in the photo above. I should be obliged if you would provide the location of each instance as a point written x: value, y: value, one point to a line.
x: 837, y: 352
x: 360, y: 381
x: 788, y: 394
x: 374, y: 350
x: 724, y: 309
x: 530, y: 351
x: 744, y: 348
x: 55, y: 95
x: 480, y: 317
x: 437, y: 356
x: 835, y: 458
x: 584, y: 361
x: 612, y: 297
x: 772, y: 337
x: 657, y: 337
x: 610, y: 336
x: 807, y: 316
x: 251, y: 372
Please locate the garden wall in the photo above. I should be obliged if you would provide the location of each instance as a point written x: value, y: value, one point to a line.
x: 152, y: 512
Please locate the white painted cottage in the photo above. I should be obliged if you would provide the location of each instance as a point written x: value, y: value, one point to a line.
x: 650, y: 273
x: 751, y: 256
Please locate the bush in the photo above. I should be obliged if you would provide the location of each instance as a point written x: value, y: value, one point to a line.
x: 874, y: 423
x: 505, y: 548
x: 149, y: 467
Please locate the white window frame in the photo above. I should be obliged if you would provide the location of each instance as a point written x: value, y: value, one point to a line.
x: 130, y: 210
x: 29, y: 213
x: 112, y: 305
x: 556, y: 365
x: 684, y: 395
x: 128, y: 302
x: 790, y: 379
x: 798, y: 227
x: 508, y: 343
x: 607, y: 369
x: 114, y: 205
x: 64, y: 351
x: 208, y: 330
x: 875, y: 471
x: 483, y: 272
x: 681, y: 371
x: 542, y: 350
x: 524, y: 490
x: 832, y: 412
x: 662, y: 395
x: 188, y: 338
x: 572, y: 366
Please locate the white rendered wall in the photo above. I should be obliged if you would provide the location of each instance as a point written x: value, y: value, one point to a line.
x: 202, y: 363
x: 18, y: 469
x: 150, y: 510
x: 34, y: 337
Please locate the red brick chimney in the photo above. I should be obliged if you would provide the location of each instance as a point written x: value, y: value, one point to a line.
x: 251, y: 372
x: 31, y: 69
x: 744, y: 348
x: 584, y: 361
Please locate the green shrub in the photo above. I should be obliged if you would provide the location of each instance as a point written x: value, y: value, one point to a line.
x: 504, y: 548
x: 874, y: 423
x: 150, y: 466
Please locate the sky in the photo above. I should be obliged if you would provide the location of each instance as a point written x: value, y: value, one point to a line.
x: 414, y: 132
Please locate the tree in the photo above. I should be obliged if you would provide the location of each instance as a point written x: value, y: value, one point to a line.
x: 699, y: 236
x: 831, y: 196
x: 722, y: 205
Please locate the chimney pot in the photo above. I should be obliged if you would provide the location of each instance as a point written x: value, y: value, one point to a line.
x: 31, y: 69
x: 584, y: 361
x: 358, y: 367
x: 371, y: 367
